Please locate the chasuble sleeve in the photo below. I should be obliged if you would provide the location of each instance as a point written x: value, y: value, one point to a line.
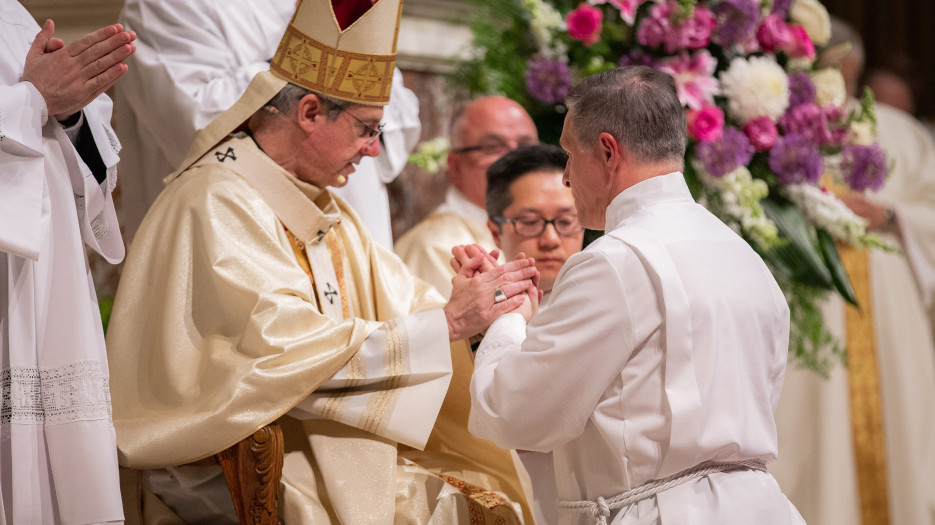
x: 535, y: 387
x: 216, y: 331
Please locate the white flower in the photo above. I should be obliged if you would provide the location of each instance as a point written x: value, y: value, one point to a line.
x: 824, y: 210
x: 861, y: 132
x: 546, y: 21
x: 829, y: 87
x: 813, y: 17
x: 755, y: 87
x: 740, y: 195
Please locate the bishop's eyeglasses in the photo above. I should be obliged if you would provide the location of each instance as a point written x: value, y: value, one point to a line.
x: 534, y: 225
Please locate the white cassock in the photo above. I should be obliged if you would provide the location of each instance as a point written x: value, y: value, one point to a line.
x: 816, y: 466
x: 663, y: 346
x: 57, y: 448
x: 426, y: 248
x: 193, y: 60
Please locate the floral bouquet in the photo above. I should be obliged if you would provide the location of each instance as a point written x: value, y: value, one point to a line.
x: 769, y: 130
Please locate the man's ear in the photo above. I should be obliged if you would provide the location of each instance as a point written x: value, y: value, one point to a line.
x: 610, y: 150
x: 310, y: 111
x: 495, y: 232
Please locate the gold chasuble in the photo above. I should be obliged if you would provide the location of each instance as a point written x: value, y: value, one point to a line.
x: 250, y: 297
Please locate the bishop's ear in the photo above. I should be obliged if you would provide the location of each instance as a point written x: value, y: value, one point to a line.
x: 610, y: 149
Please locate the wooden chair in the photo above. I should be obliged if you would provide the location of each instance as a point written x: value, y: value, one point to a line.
x: 253, y: 469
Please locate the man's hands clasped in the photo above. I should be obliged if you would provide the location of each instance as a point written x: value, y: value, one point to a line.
x: 473, y: 305
x: 70, y: 77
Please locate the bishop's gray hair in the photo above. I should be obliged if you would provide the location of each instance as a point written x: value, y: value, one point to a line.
x: 638, y: 106
x: 289, y: 96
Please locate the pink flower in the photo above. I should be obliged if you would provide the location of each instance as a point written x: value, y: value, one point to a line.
x: 800, y: 45
x: 696, y: 31
x: 694, y: 77
x: 705, y: 124
x: 773, y: 33
x: 762, y: 133
x: 627, y: 8
x: 663, y: 26
x: 584, y: 24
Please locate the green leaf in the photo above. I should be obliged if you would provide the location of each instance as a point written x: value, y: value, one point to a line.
x: 798, y: 258
x: 838, y: 274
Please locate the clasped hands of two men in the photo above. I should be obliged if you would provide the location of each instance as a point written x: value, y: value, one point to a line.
x: 483, y: 290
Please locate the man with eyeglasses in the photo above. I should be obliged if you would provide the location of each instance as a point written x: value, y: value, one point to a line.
x: 482, y: 131
x: 532, y: 213
x: 252, y: 294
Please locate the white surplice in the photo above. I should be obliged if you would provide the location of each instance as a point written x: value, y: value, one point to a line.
x: 193, y: 61
x: 426, y: 248
x: 57, y: 448
x: 663, y: 345
x: 816, y: 466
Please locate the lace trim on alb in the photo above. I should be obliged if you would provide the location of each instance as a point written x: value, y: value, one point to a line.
x: 74, y: 392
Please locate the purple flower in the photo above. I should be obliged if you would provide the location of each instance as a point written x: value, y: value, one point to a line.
x: 864, y: 167
x: 795, y: 159
x: 636, y: 58
x: 781, y: 7
x: 820, y: 125
x: 801, y: 89
x: 547, y: 80
x: 736, y: 21
x: 723, y: 156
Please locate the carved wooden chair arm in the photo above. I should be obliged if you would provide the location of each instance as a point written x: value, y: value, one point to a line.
x: 253, y: 469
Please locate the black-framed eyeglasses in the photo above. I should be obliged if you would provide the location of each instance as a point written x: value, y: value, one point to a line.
x: 534, y: 226
x: 370, y: 131
x: 492, y: 146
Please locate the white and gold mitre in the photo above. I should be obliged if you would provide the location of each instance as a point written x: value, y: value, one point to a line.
x: 345, y: 49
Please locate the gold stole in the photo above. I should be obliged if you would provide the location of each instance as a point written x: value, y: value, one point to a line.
x: 864, y: 388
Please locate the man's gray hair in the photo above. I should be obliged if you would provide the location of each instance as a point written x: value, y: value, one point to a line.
x: 289, y: 96
x: 638, y: 106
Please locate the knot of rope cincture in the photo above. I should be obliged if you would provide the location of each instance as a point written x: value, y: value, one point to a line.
x: 600, y: 511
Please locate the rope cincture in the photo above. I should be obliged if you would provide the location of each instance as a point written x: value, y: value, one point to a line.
x: 600, y: 508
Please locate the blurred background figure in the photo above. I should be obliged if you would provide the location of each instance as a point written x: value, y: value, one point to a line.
x: 831, y: 470
x: 194, y: 61
x: 482, y: 131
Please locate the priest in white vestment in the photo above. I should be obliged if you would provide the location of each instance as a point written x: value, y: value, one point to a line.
x: 194, y: 60
x: 531, y: 212
x: 57, y: 171
x: 481, y: 132
x: 653, y: 371
x: 253, y: 294
x: 818, y: 466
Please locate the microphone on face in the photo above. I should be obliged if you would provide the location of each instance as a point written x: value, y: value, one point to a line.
x: 342, y: 179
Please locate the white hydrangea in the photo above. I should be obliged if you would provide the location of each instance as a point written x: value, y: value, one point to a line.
x: 755, y: 87
x: 824, y: 210
x: 740, y: 195
x: 813, y: 17
x: 545, y: 22
x: 431, y: 155
x: 829, y: 87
